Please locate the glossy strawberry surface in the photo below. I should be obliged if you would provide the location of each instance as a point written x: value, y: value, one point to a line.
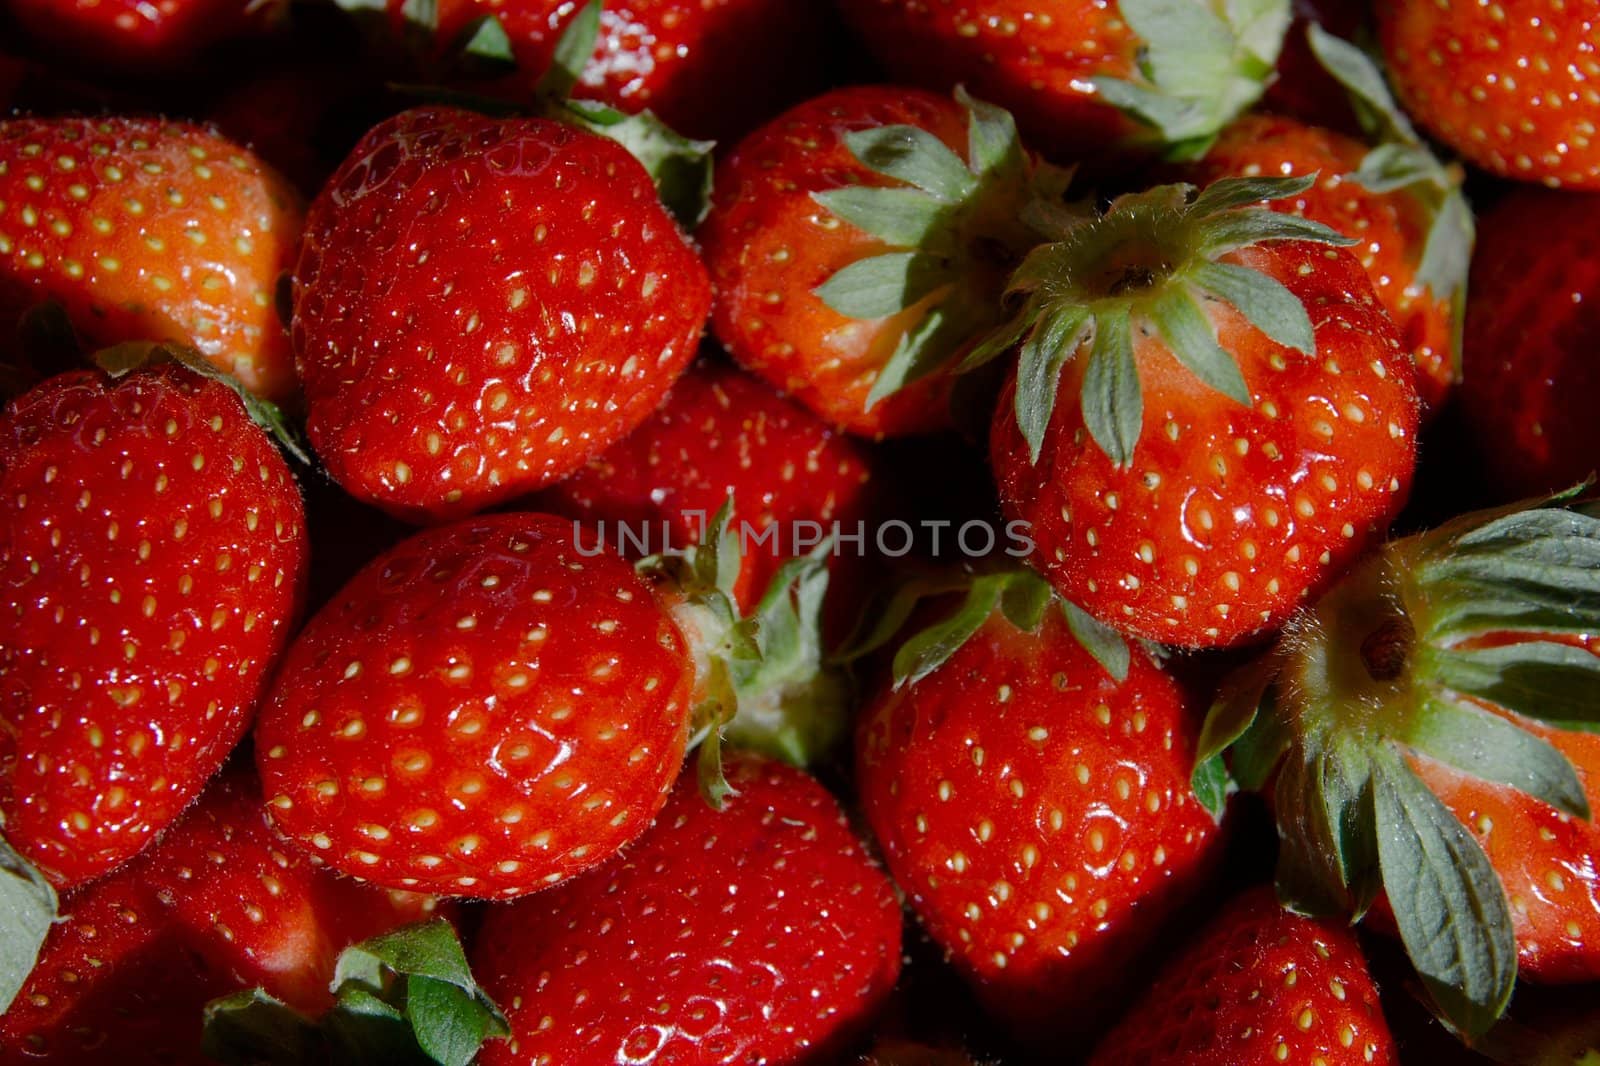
x: 483, y: 305
x: 152, y: 556
x: 482, y: 711
x: 785, y: 938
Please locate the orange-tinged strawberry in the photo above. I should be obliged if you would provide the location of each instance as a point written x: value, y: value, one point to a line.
x: 1509, y: 86
x: 153, y: 554
x: 859, y: 244
x: 135, y: 35
x: 149, y: 230
x: 1392, y: 227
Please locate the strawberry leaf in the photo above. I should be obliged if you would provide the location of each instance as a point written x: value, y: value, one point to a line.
x: 915, y: 156
x: 1232, y: 712
x: 900, y: 215
x: 681, y: 168
x: 930, y: 649
x: 1104, y: 644
x: 1362, y: 78
x: 1490, y: 748
x: 574, y: 49
x: 1113, y: 404
x: 449, y: 1014
x: 992, y: 140
x: 28, y: 908
x: 792, y: 704
x: 251, y: 1027
x: 1553, y: 683
x: 1193, y: 340
x: 1201, y: 67
x: 1024, y: 599
x: 1054, y: 341
x: 1447, y: 900
x: 1265, y: 302
x: 883, y: 285
x: 924, y: 348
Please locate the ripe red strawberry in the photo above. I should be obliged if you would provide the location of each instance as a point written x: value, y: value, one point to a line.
x: 677, y: 58
x: 1414, y: 229
x: 1082, y: 75
x: 149, y: 230
x: 760, y: 933
x: 860, y: 242
x: 1533, y: 321
x: 1211, y: 417
x: 723, y: 434
x: 1510, y: 87
x: 138, y: 36
x: 152, y: 553
x: 1035, y: 808
x: 480, y: 711
x: 1257, y: 986
x: 219, y: 904
x: 483, y: 305
x: 1413, y: 730
x: 496, y: 705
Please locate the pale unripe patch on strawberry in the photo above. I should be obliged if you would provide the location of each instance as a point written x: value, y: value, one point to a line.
x: 104, y: 203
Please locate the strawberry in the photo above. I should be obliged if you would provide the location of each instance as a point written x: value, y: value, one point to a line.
x: 1509, y: 87
x: 1027, y: 779
x: 723, y: 434
x: 860, y: 242
x: 130, y: 35
x: 1405, y: 208
x: 1082, y: 75
x: 496, y: 705
x: 483, y: 305
x: 760, y: 933
x: 1412, y: 726
x: 676, y: 58
x: 149, y: 230
x: 1257, y: 986
x: 1532, y: 325
x: 152, y: 553
x: 219, y: 903
x: 1211, y: 415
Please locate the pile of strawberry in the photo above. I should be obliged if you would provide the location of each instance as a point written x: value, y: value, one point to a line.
x: 446, y: 614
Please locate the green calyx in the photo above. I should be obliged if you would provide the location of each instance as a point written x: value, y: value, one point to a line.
x: 1202, y: 64
x: 1436, y: 647
x: 28, y: 908
x: 406, y: 997
x: 1022, y: 596
x: 1403, y: 160
x: 123, y: 359
x: 954, y: 230
x: 764, y: 678
x: 1151, y: 263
